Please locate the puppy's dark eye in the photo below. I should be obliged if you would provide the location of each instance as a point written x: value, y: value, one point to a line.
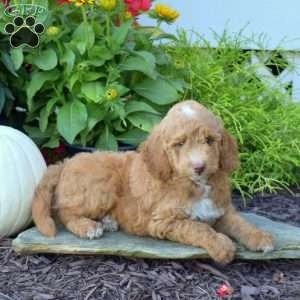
x: 209, y: 140
x: 179, y: 144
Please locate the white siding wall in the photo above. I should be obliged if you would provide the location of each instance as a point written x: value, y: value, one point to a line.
x: 276, y: 21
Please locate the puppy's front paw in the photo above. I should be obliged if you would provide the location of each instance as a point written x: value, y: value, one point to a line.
x: 223, y: 249
x: 110, y: 224
x: 95, y: 232
x: 260, y: 241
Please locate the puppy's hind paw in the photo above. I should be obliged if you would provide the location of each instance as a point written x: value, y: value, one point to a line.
x: 95, y: 232
x: 260, y: 241
x: 266, y: 243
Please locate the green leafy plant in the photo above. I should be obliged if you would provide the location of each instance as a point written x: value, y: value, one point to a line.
x: 98, y: 78
x: 13, y: 74
x: 10, y: 79
x: 7, y: 69
x: 263, y: 118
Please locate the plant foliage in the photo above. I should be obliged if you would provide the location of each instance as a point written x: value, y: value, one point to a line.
x: 97, y: 78
x: 263, y: 118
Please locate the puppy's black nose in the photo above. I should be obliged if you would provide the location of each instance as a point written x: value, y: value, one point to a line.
x: 200, y: 170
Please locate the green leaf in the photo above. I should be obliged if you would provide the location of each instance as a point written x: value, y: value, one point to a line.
x: 119, y: 125
x: 113, y: 74
x: 46, y: 60
x: 71, y: 119
x: 165, y: 36
x: 83, y: 137
x: 38, y: 136
x: 84, y: 37
x: 69, y: 59
x: 37, y: 81
x: 73, y: 79
x: 93, y: 91
x: 91, y: 76
x: 120, y: 33
x: 117, y: 111
x: 134, y: 136
x: 157, y: 91
x: 81, y: 46
x: 107, y: 141
x: 137, y: 63
x: 2, y: 98
x: 148, y: 57
x: 96, y: 114
x: 7, y: 61
x: 96, y: 62
x: 134, y: 106
x: 52, y: 143
x: 162, y: 58
x: 100, y: 53
x: 35, y: 132
x: 178, y: 84
x: 9, y: 94
x: 17, y: 57
x: 44, y: 114
x: 144, y: 121
x: 122, y: 90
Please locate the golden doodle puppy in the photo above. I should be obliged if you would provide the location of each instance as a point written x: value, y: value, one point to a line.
x: 175, y: 187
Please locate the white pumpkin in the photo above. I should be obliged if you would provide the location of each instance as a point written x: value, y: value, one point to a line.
x: 21, y: 168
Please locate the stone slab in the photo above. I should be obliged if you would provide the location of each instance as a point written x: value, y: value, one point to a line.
x: 287, y: 244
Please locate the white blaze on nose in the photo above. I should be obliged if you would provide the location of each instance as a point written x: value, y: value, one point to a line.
x: 188, y: 111
x: 196, y: 158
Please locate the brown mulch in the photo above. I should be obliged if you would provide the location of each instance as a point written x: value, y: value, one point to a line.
x: 38, y: 277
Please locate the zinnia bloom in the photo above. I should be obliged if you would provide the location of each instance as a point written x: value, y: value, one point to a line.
x: 166, y: 13
x: 111, y: 94
x: 179, y: 64
x: 5, y: 2
x: 136, y: 6
x: 81, y: 2
x: 61, y: 2
x: 108, y: 4
x: 127, y: 15
x: 52, y: 31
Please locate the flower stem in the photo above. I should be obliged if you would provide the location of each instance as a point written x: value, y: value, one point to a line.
x: 60, y: 49
x: 83, y: 10
x: 158, y: 24
x: 108, y: 30
x: 93, y: 12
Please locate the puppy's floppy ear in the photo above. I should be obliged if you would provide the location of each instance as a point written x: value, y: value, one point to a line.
x: 229, y: 153
x: 155, y: 157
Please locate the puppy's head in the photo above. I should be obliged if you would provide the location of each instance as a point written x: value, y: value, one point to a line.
x: 189, y: 142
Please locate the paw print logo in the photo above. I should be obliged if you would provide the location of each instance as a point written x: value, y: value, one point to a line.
x: 24, y: 32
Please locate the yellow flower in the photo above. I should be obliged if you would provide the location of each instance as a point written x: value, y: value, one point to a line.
x: 179, y: 64
x: 111, y: 94
x: 166, y: 12
x: 127, y: 15
x: 108, y: 4
x: 52, y: 31
x: 81, y: 2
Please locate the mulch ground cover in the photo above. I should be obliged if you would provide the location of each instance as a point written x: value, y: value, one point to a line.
x: 38, y: 277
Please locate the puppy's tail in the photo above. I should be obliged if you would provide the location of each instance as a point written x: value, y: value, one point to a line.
x: 42, y: 201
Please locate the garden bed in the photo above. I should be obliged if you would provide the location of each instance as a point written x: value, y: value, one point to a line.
x: 106, y: 277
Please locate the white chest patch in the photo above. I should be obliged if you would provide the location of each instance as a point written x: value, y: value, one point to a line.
x: 204, y: 209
